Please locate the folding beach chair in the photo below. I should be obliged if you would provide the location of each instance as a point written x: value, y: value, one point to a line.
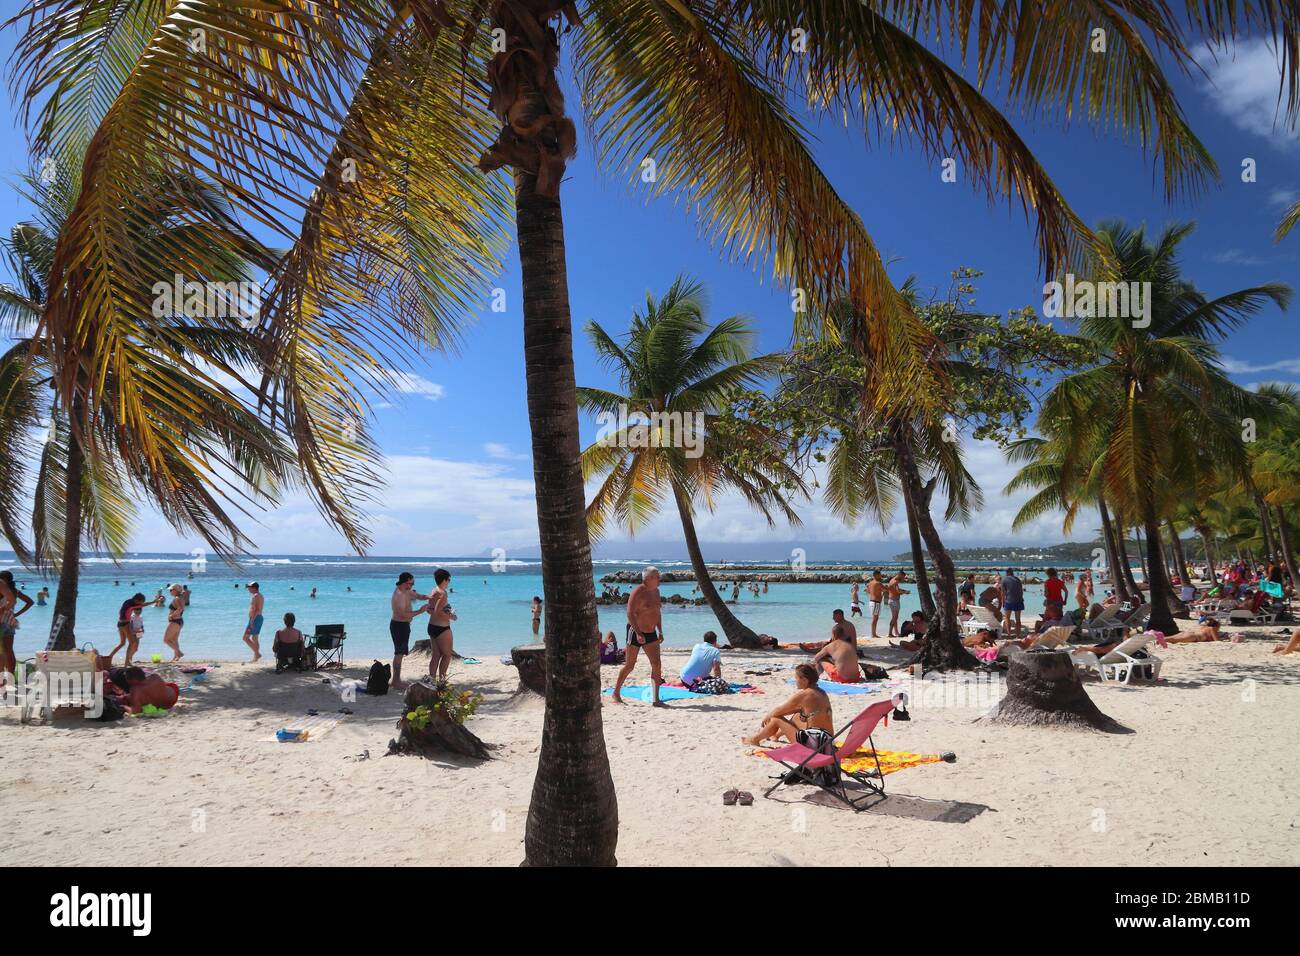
x: 61, y: 679
x: 1120, y: 666
x: 804, y: 762
x: 326, y: 645
x: 1053, y: 638
x: 982, y: 617
x: 1101, y: 627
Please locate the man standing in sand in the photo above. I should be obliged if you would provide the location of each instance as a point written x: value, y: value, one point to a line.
x: 255, y: 604
x: 875, y: 593
x: 399, y: 625
x: 1011, y: 595
x: 645, y: 630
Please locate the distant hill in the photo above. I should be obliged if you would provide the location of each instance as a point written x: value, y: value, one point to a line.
x: 1070, y: 552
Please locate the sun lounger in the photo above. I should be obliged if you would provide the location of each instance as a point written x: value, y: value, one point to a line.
x: 62, y: 679
x: 1053, y: 638
x: 981, y: 617
x: 1119, y: 665
x: 1101, y: 628
x: 803, y: 763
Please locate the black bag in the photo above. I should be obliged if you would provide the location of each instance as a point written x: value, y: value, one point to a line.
x: 377, y: 682
x: 111, y: 710
x: 873, y: 672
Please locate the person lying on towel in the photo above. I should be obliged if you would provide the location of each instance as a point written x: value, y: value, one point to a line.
x: 805, y: 718
x: 839, y: 658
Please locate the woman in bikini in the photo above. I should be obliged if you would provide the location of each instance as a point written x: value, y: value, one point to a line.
x: 805, y: 718
x: 175, y: 621
x: 440, y: 618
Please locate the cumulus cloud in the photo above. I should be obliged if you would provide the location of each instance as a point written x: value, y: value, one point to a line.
x: 497, y: 450
x: 1243, y: 83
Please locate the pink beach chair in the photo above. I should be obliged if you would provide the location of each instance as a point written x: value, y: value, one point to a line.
x: 799, y: 760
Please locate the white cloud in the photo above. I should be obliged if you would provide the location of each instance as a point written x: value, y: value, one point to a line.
x: 1281, y: 199
x: 1237, y: 257
x: 1243, y: 85
x: 408, y: 383
x: 1238, y: 367
x: 495, y: 449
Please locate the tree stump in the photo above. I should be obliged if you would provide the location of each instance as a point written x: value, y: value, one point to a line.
x: 440, y: 736
x: 530, y: 659
x: 1044, y: 690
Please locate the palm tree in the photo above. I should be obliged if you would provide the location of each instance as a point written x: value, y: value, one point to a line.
x: 1275, y: 466
x: 1158, y: 396
x: 673, y: 364
x: 351, y: 129
x: 85, y: 486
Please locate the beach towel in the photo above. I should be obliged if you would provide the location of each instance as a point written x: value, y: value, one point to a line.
x: 831, y: 687
x: 644, y: 693
x: 309, y: 728
x: 891, y: 761
x: 733, y: 688
x: 1271, y: 587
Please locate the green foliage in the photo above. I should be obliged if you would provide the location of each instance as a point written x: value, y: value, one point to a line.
x: 457, y: 706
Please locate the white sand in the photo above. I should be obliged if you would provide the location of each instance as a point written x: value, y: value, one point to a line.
x: 1208, y: 777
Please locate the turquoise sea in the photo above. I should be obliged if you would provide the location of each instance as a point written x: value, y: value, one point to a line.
x: 492, y: 605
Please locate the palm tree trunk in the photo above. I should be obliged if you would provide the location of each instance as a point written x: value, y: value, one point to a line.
x: 64, y: 614
x: 943, y: 649
x: 573, y: 813
x: 1117, y: 576
x: 1208, y: 544
x: 1266, y: 528
x: 918, y: 557
x: 1284, y: 538
x: 1180, y: 558
x: 1126, y: 565
x: 1162, y: 619
x: 738, y: 635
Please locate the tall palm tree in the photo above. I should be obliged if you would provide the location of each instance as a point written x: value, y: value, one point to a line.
x: 1158, y: 396
x: 352, y: 128
x: 673, y: 364
x: 217, y: 453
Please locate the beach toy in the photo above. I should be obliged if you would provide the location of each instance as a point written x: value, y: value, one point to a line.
x: 149, y: 710
x: 157, y: 658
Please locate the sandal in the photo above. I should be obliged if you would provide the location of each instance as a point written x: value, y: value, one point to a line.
x: 745, y: 798
x: 729, y: 798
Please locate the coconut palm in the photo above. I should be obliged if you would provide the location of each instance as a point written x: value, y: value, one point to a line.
x: 673, y: 364
x: 218, y: 456
x: 352, y: 129
x: 1158, y: 396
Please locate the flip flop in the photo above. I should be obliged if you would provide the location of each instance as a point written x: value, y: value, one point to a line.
x: 745, y: 798
x: 729, y: 798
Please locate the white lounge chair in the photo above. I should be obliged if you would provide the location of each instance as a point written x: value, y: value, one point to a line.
x: 1101, y: 627
x: 1053, y: 638
x: 61, y: 679
x: 1119, y: 665
x: 981, y: 617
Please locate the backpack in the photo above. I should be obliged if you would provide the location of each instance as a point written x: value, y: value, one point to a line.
x: 377, y: 682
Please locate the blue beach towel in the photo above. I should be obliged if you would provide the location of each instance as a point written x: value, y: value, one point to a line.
x: 833, y: 688
x: 644, y: 693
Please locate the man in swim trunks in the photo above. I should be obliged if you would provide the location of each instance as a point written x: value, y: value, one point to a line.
x: 839, y: 658
x: 399, y: 625
x: 255, y: 605
x: 855, y: 607
x: 645, y: 631
x: 876, y: 594
x: 1011, y: 595
x: 966, y: 593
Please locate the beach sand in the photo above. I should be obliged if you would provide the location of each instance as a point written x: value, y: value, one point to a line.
x: 1206, y: 778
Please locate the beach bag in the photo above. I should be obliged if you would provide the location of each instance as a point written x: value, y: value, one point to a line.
x: 710, y: 685
x: 112, y: 710
x: 873, y: 672
x: 377, y: 682
x: 821, y: 742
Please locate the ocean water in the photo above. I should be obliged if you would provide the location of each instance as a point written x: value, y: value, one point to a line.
x: 492, y: 605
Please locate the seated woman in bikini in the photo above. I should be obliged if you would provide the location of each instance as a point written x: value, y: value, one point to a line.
x: 809, y: 709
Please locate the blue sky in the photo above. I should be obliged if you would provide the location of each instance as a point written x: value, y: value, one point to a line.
x: 457, y: 440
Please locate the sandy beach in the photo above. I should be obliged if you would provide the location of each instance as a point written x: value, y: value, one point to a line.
x: 1204, y: 779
